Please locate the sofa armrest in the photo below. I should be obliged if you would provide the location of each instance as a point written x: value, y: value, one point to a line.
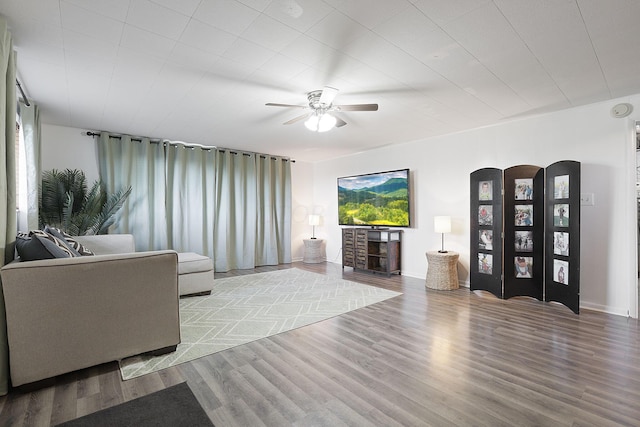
x: 72, y: 313
x: 103, y: 244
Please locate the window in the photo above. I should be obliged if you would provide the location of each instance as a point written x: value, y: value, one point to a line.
x: 21, y: 181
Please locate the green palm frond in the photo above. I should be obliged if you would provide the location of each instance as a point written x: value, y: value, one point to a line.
x: 66, y: 203
x: 75, y: 182
x: 67, y: 213
x: 53, y: 198
x: 113, y: 204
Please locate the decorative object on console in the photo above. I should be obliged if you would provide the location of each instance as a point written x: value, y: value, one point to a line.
x: 313, y: 221
x: 442, y: 225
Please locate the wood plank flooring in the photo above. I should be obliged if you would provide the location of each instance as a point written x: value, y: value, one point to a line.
x: 424, y: 358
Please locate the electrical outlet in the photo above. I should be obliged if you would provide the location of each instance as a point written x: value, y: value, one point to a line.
x: 587, y: 199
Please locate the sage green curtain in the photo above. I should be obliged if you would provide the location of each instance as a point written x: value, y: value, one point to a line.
x: 273, y: 243
x: 7, y: 179
x: 190, y: 198
x: 233, y: 207
x: 30, y: 125
x: 141, y: 164
x: 236, y: 210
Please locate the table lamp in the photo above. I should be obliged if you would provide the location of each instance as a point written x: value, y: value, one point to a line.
x: 313, y: 221
x: 442, y: 224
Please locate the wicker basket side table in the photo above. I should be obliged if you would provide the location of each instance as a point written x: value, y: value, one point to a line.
x: 313, y: 251
x: 442, y: 270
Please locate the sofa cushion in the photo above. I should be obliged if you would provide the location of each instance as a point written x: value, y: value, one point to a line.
x: 40, y: 245
x: 72, y: 243
x: 190, y: 262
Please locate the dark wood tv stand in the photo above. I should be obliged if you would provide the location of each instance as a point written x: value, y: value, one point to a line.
x: 375, y: 250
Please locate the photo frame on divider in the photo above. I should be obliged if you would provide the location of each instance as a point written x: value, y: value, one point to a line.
x: 562, y: 233
x: 486, y: 230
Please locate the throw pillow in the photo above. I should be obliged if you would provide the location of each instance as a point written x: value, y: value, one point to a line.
x: 71, y: 242
x: 52, y: 244
x: 60, y: 238
x: 30, y: 249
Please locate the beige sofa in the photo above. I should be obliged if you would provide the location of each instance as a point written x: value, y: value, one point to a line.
x: 67, y: 314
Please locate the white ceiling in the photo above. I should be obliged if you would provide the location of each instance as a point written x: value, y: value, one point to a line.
x: 201, y: 71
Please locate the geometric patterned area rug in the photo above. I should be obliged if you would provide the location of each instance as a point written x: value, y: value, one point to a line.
x: 246, y: 308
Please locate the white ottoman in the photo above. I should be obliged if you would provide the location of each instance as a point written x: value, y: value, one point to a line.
x: 195, y: 274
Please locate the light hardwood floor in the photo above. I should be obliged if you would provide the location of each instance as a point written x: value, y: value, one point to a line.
x: 424, y: 358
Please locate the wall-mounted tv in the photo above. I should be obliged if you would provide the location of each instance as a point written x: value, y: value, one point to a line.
x: 377, y: 199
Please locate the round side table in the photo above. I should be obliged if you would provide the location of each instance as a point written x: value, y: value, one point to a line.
x: 312, y: 251
x: 442, y: 271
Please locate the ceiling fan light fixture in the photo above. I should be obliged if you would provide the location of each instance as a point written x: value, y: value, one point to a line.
x: 312, y: 122
x: 326, y: 123
x: 320, y: 105
x: 320, y: 122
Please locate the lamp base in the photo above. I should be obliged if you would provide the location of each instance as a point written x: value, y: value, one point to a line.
x: 443, y: 252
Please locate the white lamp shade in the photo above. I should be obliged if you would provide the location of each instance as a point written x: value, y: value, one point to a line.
x: 320, y: 122
x: 326, y: 122
x: 442, y: 224
x: 312, y: 122
x: 314, y: 219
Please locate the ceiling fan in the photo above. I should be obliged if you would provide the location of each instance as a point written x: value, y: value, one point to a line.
x: 321, y: 117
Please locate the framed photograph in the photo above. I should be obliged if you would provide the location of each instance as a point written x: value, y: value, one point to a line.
x: 561, y: 271
x: 523, y: 215
x: 485, y: 190
x: 561, y: 243
x: 485, y: 215
x: 561, y: 187
x: 524, y: 241
x: 485, y: 263
x: 524, y: 267
x: 524, y: 189
x: 561, y: 215
x: 485, y: 240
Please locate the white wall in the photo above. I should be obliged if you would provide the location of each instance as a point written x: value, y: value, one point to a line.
x: 440, y: 169
x: 69, y: 148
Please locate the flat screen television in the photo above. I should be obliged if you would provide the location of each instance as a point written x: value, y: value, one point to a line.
x: 377, y: 199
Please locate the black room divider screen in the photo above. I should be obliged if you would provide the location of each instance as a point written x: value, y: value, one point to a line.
x: 522, y: 222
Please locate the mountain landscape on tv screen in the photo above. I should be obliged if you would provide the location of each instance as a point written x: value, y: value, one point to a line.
x: 385, y: 204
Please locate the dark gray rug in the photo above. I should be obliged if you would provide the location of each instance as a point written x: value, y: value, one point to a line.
x: 174, y: 406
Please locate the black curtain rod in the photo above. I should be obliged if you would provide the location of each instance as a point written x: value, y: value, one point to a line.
x: 26, y: 100
x: 262, y: 156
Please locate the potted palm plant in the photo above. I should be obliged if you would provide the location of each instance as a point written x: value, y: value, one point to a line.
x: 67, y: 203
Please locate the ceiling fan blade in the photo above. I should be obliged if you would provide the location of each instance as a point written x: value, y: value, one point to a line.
x: 296, y: 119
x: 358, y: 107
x: 271, y: 104
x: 328, y: 95
x: 340, y: 122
